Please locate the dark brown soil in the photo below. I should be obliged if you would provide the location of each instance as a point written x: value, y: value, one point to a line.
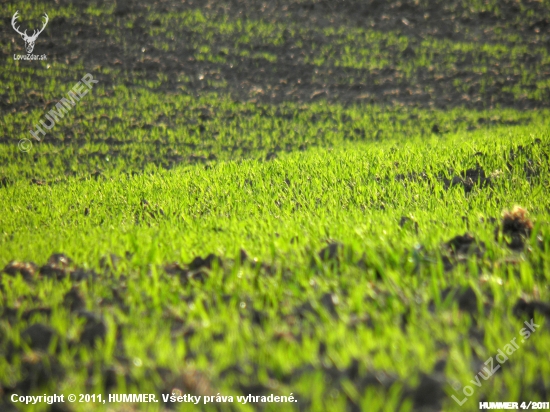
x: 465, y: 297
x: 469, y: 179
x: 198, y: 269
x: 95, y: 329
x: 74, y: 300
x: 464, y: 245
x: 38, y: 336
x: 516, y: 227
x: 26, y: 269
x: 449, y: 81
x: 526, y: 310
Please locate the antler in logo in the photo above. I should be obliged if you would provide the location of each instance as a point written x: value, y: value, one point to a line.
x: 29, y: 40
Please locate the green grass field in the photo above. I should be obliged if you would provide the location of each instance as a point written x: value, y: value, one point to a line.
x: 283, y: 201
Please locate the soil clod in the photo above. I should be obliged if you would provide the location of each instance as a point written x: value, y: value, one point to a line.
x: 469, y: 179
x: 95, y: 329
x: 206, y: 263
x: 466, y: 298
x: 429, y: 394
x: 459, y: 249
x: 26, y: 269
x: 80, y: 275
x: 52, y: 271
x: 60, y: 260
x: 198, y: 269
x: 516, y: 227
x: 38, y: 370
x: 526, y: 310
x: 74, y: 300
x: 38, y: 336
x: 304, y: 310
x: 463, y: 245
x: 57, y: 267
x: 331, y: 252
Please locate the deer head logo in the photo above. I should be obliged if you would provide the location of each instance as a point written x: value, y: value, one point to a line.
x: 29, y: 40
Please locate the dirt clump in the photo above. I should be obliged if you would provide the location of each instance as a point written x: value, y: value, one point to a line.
x: 305, y: 310
x: 111, y: 376
x: 60, y: 259
x: 429, y: 394
x: 57, y: 267
x: 37, y: 370
x: 38, y: 336
x: 174, y: 269
x: 331, y: 253
x: 526, y: 310
x: 516, y: 227
x: 198, y: 269
x: 95, y: 329
x: 469, y: 179
x: 465, y: 297
x: 79, y: 275
x: 74, y: 300
x: 207, y: 263
x: 460, y: 248
x: 465, y: 245
x: 26, y: 269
